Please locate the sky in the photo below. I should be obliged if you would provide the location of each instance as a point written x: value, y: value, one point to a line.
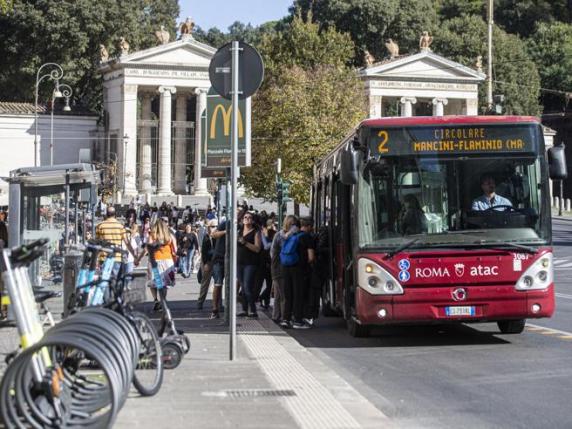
x: 222, y: 13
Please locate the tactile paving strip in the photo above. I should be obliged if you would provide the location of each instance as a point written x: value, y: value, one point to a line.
x: 313, y: 405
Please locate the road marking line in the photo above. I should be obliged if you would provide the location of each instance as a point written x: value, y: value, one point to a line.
x: 558, y: 331
x: 559, y: 262
x: 563, y: 295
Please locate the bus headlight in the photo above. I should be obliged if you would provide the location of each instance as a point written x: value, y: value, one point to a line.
x: 538, y: 276
x: 376, y: 280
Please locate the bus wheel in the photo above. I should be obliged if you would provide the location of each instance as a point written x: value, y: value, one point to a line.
x: 356, y: 330
x: 511, y: 326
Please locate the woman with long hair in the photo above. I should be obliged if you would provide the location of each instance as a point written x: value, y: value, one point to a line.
x: 164, y: 254
x: 248, y: 259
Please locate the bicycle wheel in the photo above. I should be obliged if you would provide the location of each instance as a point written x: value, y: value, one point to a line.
x: 148, y: 375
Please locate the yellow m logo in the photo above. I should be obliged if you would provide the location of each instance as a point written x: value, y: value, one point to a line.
x: 226, y: 115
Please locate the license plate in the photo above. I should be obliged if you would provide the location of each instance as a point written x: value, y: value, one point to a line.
x: 460, y: 311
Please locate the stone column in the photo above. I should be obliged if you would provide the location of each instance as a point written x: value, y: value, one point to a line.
x: 407, y: 105
x: 129, y: 140
x: 181, y: 145
x: 472, y: 106
x: 375, y: 106
x: 439, y: 106
x: 145, y: 146
x: 164, y: 161
x: 200, y: 183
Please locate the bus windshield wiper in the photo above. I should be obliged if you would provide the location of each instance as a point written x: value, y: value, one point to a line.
x: 522, y: 247
x: 401, y: 247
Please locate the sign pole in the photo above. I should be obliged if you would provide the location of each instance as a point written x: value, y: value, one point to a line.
x: 233, y: 178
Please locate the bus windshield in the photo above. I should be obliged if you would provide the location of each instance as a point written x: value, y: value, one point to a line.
x: 453, y: 201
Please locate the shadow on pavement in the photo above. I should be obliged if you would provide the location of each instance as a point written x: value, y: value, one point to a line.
x: 332, y: 333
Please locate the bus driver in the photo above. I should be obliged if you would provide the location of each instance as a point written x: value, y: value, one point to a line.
x: 489, y: 199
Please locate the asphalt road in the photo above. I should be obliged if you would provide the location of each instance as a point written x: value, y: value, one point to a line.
x: 467, y: 376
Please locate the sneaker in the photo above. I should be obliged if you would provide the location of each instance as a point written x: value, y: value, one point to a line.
x: 309, y: 322
x: 156, y: 305
x: 300, y: 325
x: 242, y: 314
x: 253, y: 316
x: 214, y: 315
x: 285, y: 324
x: 199, y: 305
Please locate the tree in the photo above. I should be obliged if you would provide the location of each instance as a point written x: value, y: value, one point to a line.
x: 371, y: 22
x: 551, y: 48
x: 237, y: 31
x: 69, y: 33
x: 515, y: 75
x: 5, y: 5
x: 522, y: 16
x: 308, y: 102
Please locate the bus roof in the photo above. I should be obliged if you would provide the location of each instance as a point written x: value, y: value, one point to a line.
x: 446, y: 120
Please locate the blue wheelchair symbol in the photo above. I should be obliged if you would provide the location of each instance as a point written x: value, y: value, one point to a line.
x: 404, y: 264
x: 404, y: 276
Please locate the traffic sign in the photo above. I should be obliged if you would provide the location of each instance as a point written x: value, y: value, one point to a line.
x: 250, y: 71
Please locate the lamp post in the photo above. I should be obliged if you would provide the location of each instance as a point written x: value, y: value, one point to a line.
x: 61, y: 90
x: 56, y: 74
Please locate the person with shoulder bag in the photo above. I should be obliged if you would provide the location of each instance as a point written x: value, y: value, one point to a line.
x: 164, y: 255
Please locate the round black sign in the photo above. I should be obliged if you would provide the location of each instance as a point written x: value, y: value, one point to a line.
x: 250, y: 71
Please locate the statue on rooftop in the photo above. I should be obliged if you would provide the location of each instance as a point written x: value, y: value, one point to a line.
x: 368, y: 58
x: 103, y: 53
x: 123, y: 46
x: 479, y: 64
x: 392, y: 48
x: 186, y: 28
x: 162, y: 36
x: 425, y: 41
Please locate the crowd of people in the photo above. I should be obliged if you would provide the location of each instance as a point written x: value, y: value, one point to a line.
x: 281, y: 271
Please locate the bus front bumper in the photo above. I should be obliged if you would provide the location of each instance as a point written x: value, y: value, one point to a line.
x: 436, y: 304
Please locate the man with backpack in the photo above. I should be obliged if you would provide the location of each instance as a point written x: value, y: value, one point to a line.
x: 296, y: 255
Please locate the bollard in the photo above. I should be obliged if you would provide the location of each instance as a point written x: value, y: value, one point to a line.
x: 567, y: 206
x: 72, y: 264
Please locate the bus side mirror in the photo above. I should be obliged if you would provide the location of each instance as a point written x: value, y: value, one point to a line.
x: 349, y: 166
x: 557, y: 162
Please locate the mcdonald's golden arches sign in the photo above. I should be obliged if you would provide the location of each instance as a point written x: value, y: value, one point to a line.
x: 217, y: 128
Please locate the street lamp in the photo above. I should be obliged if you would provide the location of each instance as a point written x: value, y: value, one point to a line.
x: 61, y: 90
x: 56, y: 74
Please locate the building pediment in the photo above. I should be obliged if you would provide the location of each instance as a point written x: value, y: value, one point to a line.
x: 422, y: 66
x: 180, y: 53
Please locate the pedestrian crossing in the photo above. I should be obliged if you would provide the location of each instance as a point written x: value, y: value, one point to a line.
x: 563, y: 264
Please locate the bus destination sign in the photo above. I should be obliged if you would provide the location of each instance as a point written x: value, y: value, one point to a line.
x: 454, y: 140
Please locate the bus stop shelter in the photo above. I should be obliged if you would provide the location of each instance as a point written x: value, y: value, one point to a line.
x: 51, y: 202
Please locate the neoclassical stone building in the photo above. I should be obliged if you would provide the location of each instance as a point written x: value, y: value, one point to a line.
x: 153, y: 101
x: 421, y: 84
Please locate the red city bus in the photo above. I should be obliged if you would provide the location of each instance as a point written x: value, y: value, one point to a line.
x: 438, y: 219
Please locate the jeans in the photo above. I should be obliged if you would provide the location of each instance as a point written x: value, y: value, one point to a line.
x: 187, y: 263
x: 247, y: 280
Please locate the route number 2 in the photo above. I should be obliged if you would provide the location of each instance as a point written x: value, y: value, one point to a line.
x: 382, y: 147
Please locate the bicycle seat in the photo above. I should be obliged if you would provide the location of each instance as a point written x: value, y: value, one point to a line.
x: 44, y: 295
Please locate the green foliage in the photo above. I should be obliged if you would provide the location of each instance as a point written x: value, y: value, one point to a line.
x: 371, y: 22
x: 237, y: 31
x: 464, y: 38
x: 5, y: 6
x: 69, y: 33
x: 308, y: 102
x: 522, y: 16
x: 449, y: 9
x: 551, y: 48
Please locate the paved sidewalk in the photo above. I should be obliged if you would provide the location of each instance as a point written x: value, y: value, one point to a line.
x: 275, y: 382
